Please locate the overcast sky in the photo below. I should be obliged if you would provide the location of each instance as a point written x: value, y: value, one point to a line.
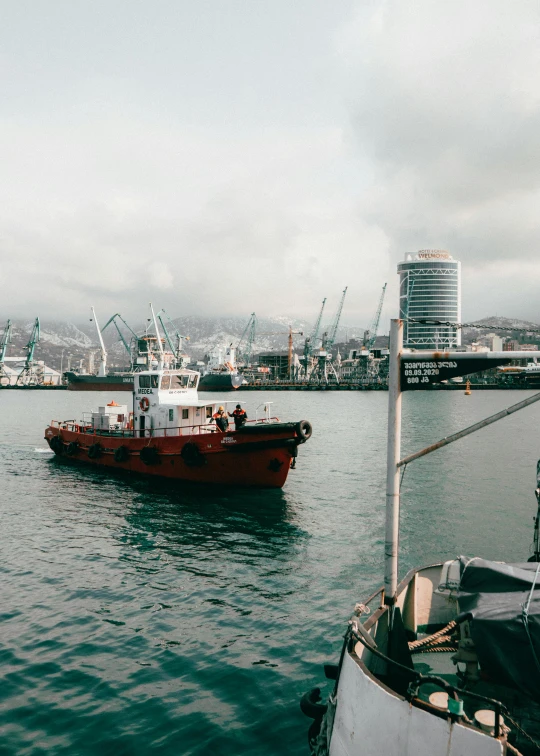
x: 225, y: 156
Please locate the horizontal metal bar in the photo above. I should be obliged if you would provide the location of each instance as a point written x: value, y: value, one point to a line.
x: 470, y: 429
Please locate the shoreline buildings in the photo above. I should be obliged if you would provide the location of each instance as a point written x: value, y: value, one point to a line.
x: 430, y: 288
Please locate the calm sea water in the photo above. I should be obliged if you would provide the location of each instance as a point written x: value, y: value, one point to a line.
x: 142, y: 618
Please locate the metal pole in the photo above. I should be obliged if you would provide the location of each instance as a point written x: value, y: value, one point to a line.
x: 391, y: 540
x: 160, y: 345
x: 103, y: 365
x: 471, y: 429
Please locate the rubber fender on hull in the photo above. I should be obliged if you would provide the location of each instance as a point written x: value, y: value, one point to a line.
x: 310, y: 706
x: 121, y: 454
x: 304, y: 430
x: 192, y: 455
x: 94, y: 451
x: 72, y: 448
x: 56, y: 445
x: 150, y: 455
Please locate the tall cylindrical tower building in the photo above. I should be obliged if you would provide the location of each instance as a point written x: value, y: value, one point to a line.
x: 430, y: 288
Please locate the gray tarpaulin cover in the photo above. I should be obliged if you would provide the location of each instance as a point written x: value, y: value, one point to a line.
x: 504, y: 600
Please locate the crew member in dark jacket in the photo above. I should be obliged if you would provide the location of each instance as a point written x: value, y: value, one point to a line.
x: 222, y: 421
x: 239, y: 416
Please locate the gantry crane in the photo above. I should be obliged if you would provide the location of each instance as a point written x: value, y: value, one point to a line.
x: 112, y: 319
x: 324, y: 367
x: 176, y: 349
x: 371, y: 334
x: 309, y: 344
x: 249, y: 336
x: 29, y: 375
x: 6, y: 339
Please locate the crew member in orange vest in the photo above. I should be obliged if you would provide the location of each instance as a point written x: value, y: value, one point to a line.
x: 239, y: 416
x: 222, y: 421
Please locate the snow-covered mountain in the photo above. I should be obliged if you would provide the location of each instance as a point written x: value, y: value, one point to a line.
x: 64, y: 345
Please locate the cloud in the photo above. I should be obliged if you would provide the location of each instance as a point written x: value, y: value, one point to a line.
x: 445, y: 100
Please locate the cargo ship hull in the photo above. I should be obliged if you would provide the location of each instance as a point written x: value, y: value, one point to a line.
x: 120, y: 382
x: 221, y: 381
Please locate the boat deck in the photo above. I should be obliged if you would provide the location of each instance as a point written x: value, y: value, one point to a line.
x: 524, y: 712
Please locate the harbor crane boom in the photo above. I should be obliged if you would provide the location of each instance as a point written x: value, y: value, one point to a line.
x: 249, y: 335
x: 122, y: 339
x: 176, y: 350
x: 28, y: 375
x: 309, y: 343
x: 6, y: 339
x: 330, y: 336
x: 371, y: 335
x: 103, y: 364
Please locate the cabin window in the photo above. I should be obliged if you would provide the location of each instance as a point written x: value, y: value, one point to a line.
x: 154, y: 379
x: 171, y: 415
x: 192, y: 381
x: 179, y: 381
x: 185, y: 414
x: 166, y: 382
x: 144, y: 381
x: 209, y: 412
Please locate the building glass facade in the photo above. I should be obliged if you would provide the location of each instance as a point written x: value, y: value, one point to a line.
x: 430, y: 288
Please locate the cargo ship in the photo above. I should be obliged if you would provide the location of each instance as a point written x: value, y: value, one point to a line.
x: 222, y: 374
x: 171, y: 433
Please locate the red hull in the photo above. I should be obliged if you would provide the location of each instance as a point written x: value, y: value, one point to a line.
x: 258, y: 456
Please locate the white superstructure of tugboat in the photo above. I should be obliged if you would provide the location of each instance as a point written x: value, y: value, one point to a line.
x: 447, y: 661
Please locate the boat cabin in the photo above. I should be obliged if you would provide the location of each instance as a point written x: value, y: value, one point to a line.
x: 166, y: 403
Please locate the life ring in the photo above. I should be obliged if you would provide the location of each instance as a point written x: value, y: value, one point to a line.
x: 303, y: 431
x: 144, y: 404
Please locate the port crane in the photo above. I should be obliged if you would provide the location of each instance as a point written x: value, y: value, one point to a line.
x: 324, y: 368
x: 176, y: 349
x: 290, y: 333
x: 249, y: 336
x: 309, y: 344
x: 371, y: 334
x: 6, y: 339
x: 29, y: 375
x: 113, y: 320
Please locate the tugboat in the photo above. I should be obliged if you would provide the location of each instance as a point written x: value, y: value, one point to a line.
x: 173, y: 434
x: 447, y: 661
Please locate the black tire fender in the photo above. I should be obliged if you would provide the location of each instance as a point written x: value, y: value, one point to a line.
x: 192, y: 455
x: 72, y: 448
x: 310, y: 706
x: 121, y: 454
x: 94, y: 451
x: 56, y: 445
x: 150, y: 455
x: 303, y: 431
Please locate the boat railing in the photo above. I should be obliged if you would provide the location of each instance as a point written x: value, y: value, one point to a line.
x: 182, y: 430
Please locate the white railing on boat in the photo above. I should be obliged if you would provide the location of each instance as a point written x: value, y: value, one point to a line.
x: 182, y: 430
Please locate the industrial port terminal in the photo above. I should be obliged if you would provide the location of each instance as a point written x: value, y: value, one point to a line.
x: 314, y: 360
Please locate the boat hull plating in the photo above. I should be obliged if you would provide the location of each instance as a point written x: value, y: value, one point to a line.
x: 97, y: 383
x: 221, y: 381
x: 260, y: 457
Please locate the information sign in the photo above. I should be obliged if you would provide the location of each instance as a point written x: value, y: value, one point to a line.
x: 418, y: 374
